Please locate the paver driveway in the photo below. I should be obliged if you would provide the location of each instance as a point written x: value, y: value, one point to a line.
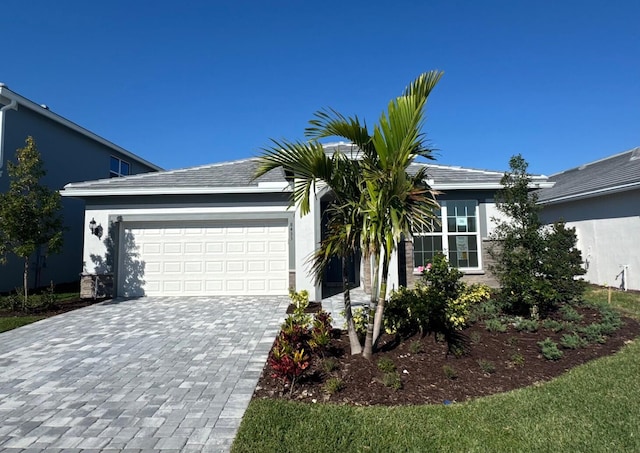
x: 151, y: 374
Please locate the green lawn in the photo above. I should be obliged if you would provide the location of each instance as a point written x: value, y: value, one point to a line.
x: 8, y: 323
x: 13, y: 322
x: 594, y: 407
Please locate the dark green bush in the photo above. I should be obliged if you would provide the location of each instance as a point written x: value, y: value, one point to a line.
x: 386, y: 365
x: 536, y: 267
x: 572, y: 341
x: 549, y: 349
x: 495, y: 325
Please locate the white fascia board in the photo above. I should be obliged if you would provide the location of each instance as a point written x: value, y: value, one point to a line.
x: 485, y: 186
x: 88, y: 192
x: 7, y: 93
x: 592, y: 193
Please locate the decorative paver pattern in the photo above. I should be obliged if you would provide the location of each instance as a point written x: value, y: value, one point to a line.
x: 150, y: 374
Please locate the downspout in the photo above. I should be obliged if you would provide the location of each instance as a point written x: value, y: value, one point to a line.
x: 13, y: 105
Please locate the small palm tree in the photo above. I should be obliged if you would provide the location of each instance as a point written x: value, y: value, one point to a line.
x: 377, y: 201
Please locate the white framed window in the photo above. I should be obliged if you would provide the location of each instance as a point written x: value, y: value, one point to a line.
x: 118, y: 167
x: 457, y: 236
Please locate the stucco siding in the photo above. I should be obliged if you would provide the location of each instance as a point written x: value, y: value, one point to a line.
x: 68, y: 156
x: 608, y: 231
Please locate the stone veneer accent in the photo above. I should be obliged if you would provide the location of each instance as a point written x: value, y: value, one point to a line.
x: 485, y: 276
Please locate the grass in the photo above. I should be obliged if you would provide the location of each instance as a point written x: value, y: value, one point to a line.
x: 13, y: 322
x: 591, y: 408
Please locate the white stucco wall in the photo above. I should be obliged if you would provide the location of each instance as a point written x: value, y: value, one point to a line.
x: 608, y: 231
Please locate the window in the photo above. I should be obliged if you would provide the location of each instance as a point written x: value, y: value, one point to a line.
x: 458, y: 237
x: 118, y: 168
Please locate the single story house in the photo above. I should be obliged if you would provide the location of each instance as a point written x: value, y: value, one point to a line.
x: 214, y: 230
x: 69, y: 153
x: 601, y: 200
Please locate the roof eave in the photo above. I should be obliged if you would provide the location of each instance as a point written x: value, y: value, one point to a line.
x: 86, y: 192
x: 591, y: 194
x: 485, y: 185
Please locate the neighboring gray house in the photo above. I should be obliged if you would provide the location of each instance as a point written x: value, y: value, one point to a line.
x: 212, y: 230
x: 601, y: 200
x: 70, y: 153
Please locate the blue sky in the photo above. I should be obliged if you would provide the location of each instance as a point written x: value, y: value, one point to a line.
x: 194, y: 82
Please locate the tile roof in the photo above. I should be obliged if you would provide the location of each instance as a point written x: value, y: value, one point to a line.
x: 613, y: 173
x: 225, y: 174
x: 238, y: 175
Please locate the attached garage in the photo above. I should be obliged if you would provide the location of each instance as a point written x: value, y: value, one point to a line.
x: 248, y: 257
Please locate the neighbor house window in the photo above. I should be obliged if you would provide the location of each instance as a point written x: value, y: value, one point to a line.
x: 118, y: 168
x: 457, y: 236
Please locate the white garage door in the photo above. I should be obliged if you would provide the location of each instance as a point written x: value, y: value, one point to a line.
x: 230, y: 258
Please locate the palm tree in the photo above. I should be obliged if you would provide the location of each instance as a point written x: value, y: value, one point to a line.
x: 389, y: 202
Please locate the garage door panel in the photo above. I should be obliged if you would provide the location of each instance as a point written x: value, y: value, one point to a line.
x: 231, y: 258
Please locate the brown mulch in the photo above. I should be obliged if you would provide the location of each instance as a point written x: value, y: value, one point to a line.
x: 423, y: 377
x: 58, y: 308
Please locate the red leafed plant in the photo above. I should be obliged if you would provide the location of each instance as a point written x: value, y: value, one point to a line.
x: 286, y: 362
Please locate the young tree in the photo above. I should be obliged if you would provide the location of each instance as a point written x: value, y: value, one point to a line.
x: 536, y: 267
x: 29, y: 212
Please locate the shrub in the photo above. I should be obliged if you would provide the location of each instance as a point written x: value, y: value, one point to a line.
x: 320, y: 332
x: 553, y: 325
x: 392, y: 380
x: 593, y: 333
x: 536, y: 266
x: 528, y: 325
x: 475, y: 337
x: 495, y: 325
x: 440, y: 302
x: 570, y: 314
x: 517, y: 359
x: 550, y: 350
x: 487, y: 366
x: 286, y: 362
x: 572, y: 341
x: 329, y: 364
x: 333, y: 385
x: 386, y: 365
x: 484, y: 310
x: 300, y: 301
x: 415, y: 347
x: 360, y: 320
x: 450, y: 372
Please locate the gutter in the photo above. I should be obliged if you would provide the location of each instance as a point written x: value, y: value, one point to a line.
x: 13, y: 105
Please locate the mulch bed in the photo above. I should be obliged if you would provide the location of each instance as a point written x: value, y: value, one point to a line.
x: 424, y: 380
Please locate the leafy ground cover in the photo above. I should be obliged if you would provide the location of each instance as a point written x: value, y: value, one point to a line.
x: 591, y: 407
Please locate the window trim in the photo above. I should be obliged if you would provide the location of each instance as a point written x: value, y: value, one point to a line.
x: 119, y: 173
x: 445, y: 234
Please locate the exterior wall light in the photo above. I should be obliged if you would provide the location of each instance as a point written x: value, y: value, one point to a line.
x: 95, y: 229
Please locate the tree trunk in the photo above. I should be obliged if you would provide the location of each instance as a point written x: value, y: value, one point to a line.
x: 377, y: 325
x: 25, y: 283
x: 354, y: 342
x: 375, y: 287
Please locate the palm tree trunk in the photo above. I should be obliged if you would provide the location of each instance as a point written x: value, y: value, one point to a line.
x: 375, y: 288
x: 354, y: 342
x: 377, y: 325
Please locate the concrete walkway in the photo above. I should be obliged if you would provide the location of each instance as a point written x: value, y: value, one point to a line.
x: 152, y: 374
